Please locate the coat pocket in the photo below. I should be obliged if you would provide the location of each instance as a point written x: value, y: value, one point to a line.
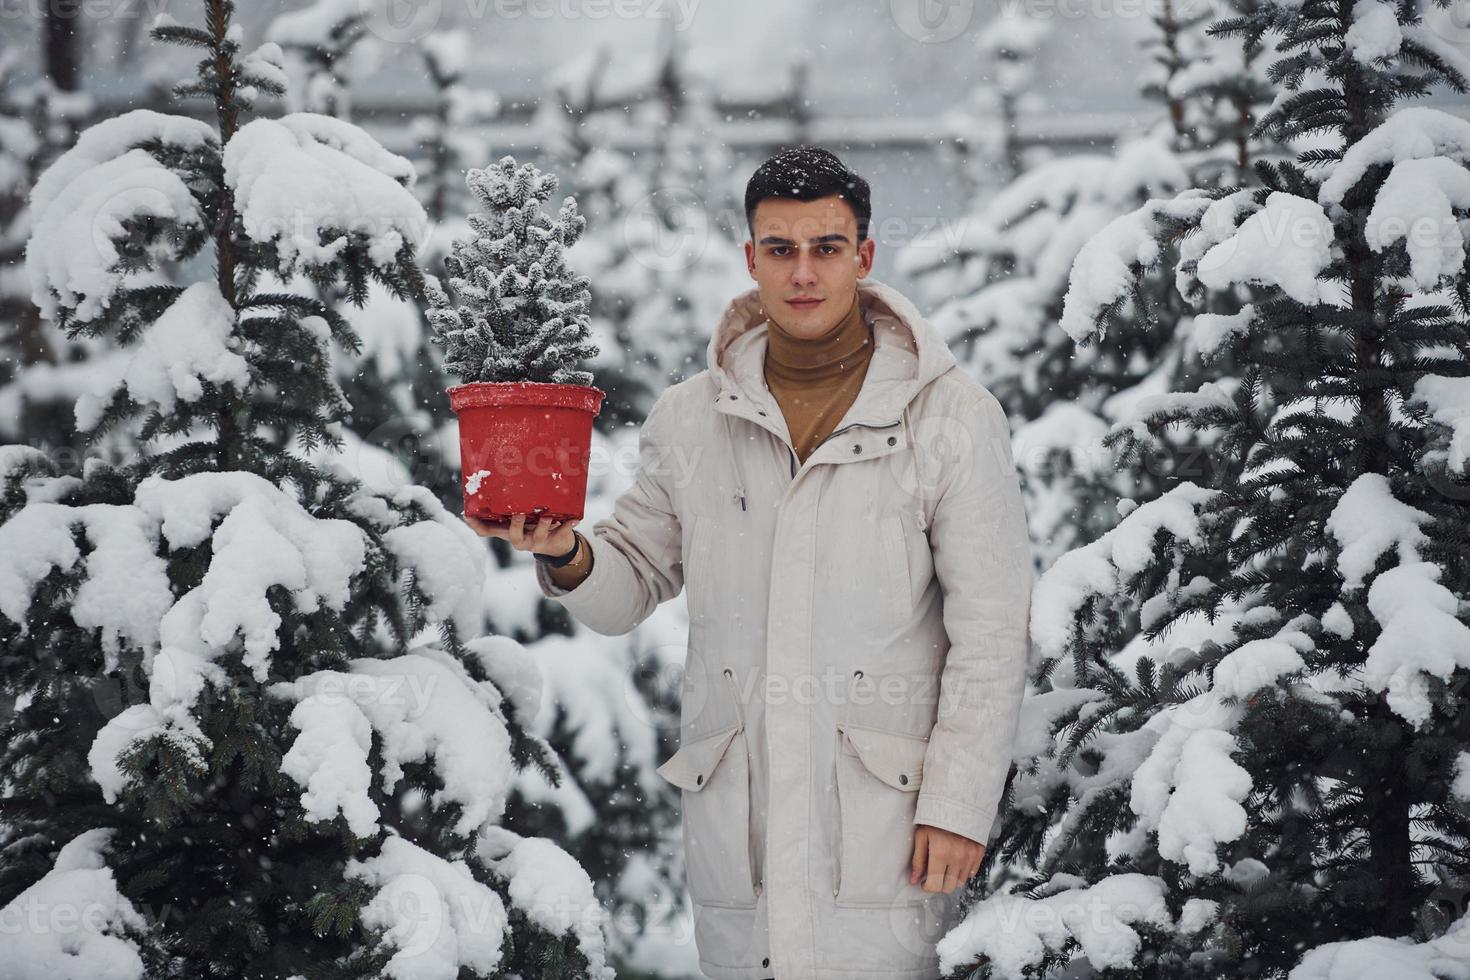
x: 878, y: 778
x: 714, y: 773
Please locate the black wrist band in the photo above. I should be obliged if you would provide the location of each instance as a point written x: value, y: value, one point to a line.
x: 557, y: 561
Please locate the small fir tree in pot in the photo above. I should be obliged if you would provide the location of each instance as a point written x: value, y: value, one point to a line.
x: 515, y: 334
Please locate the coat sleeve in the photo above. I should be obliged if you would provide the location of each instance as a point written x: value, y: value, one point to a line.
x: 982, y: 558
x: 636, y: 550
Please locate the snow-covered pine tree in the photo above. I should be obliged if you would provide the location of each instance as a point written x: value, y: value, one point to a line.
x: 255, y: 734
x: 400, y: 430
x: 987, y: 152
x: 1007, y: 264
x: 1014, y: 251
x: 454, y: 131
x: 326, y: 43
x: 522, y: 312
x: 681, y: 260
x: 1211, y: 92
x: 574, y: 126
x: 41, y: 372
x: 1267, y: 776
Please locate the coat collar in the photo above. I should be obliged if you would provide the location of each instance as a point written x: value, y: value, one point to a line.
x: 908, y: 352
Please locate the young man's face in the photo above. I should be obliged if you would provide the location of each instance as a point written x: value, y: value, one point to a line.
x: 807, y: 250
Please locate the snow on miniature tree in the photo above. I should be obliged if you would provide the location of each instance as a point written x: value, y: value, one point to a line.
x: 522, y: 312
x: 1266, y: 776
x: 256, y: 733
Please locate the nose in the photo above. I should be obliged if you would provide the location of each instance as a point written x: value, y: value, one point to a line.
x: 804, y: 273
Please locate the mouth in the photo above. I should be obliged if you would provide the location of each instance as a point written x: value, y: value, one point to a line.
x: 803, y: 304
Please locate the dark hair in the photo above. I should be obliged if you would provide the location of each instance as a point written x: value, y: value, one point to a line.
x: 806, y: 173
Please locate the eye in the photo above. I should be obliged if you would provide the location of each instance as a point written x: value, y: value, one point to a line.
x: 832, y: 247
x: 777, y: 249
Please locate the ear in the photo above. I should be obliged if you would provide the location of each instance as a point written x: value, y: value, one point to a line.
x: 866, y: 250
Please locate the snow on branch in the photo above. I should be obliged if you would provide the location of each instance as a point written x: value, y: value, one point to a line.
x: 1286, y: 244
x: 72, y: 259
x: 424, y: 707
x: 1104, y: 567
x: 554, y: 891
x: 1380, y: 956
x: 1411, y: 133
x: 435, y: 916
x: 74, y: 922
x: 1017, y: 933
x: 306, y: 173
x: 192, y: 342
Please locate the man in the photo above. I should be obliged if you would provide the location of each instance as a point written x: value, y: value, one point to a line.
x: 848, y: 524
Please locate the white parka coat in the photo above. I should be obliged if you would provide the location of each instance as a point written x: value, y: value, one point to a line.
x: 857, y: 644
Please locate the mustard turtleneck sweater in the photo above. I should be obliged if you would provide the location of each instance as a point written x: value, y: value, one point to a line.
x: 813, y: 380
x: 816, y: 380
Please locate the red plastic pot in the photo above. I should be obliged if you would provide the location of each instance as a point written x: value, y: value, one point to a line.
x: 524, y: 447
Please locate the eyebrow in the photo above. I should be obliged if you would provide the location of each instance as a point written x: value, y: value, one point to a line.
x: 778, y: 240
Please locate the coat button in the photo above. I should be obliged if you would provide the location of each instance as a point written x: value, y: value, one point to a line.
x: 699, y: 780
x: 765, y: 961
x: 892, y: 440
x: 857, y: 448
x: 734, y: 398
x: 903, y: 778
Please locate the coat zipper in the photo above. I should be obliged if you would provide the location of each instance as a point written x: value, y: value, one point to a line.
x: 795, y: 465
x: 850, y: 425
x: 854, y: 425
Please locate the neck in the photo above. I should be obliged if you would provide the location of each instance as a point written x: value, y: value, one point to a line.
x: 834, y: 352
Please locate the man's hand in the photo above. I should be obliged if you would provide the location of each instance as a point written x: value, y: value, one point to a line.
x: 944, y: 859
x: 548, y: 537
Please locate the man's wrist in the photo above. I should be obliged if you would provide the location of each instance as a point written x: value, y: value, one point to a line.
x: 557, y: 561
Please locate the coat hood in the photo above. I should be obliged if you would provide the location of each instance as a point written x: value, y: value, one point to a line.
x: 909, y: 352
